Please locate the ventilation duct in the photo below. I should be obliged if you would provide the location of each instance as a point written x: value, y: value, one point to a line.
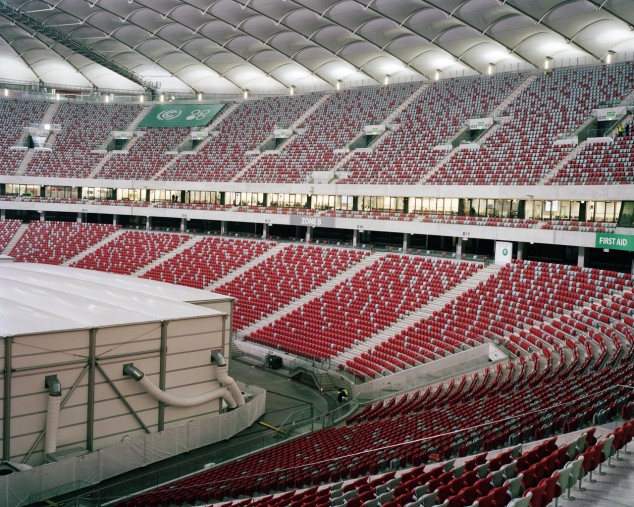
x: 54, y: 387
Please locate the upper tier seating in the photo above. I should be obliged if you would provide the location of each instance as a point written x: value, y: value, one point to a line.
x: 16, y: 114
x: 334, y: 124
x: 244, y: 129
x: 291, y: 273
x: 522, y: 151
x: 432, y: 119
x: 355, y: 309
x: 146, y: 157
x: 574, y: 225
x: 521, y: 295
x: 57, y: 242
x: 521, y: 223
x: 130, y: 251
x: 600, y: 164
x: 7, y: 229
x: 208, y: 260
x: 438, y: 426
x: 85, y: 127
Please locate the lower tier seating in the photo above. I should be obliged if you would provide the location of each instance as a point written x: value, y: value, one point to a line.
x: 438, y: 430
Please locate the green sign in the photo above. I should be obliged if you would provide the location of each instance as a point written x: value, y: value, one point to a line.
x: 615, y: 241
x: 173, y: 115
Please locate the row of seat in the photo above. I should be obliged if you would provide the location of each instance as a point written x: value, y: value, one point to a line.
x: 57, y: 242
x: 372, y: 299
x: 435, y: 432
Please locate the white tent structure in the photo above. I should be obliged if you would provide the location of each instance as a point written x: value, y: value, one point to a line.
x: 272, y: 46
x: 87, y: 372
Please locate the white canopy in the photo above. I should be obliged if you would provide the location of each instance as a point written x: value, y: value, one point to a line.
x: 36, y: 298
x: 225, y: 46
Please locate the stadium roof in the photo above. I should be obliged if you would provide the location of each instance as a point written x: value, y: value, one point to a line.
x: 38, y: 298
x: 226, y: 46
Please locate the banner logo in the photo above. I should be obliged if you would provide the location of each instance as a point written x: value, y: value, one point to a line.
x: 169, y: 115
x: 198, y: 114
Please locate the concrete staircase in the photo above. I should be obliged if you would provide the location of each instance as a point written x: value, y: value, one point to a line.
x: 311, y: 110
x: 14, y: 240
x: 501, y: 107
x: 173, y: 253
x: 25, y: 162
x: 142, y: 114
x: 424, y: 312
x: 394, y: 114
x: 93, y: 248
x: 245, y: 267
x: 561, y: 164
x: 319, y: 291
x: 221, y: 117
x: 100, y: 165
x: 427, y: 176
x: 242, y: 171
x: 49, y: 114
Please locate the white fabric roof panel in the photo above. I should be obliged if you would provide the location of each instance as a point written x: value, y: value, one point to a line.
x: 38, y: 298
x: 225, y: 46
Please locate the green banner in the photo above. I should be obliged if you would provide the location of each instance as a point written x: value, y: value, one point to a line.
x: 615, y: 241
x: 173, y: 115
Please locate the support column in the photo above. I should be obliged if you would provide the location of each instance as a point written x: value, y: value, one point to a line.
x: 406, y: 239
x: 223, y: 228
x: 265, y: 231
x: 520, y: 251
x: 459, y: 248
x: 309, y: 234
x: 115, y: 219
x: 632, y: 270
x: 148, y: 223
x: 355, y: 238
x: 183, y: 224
x: 6, y: 402
x: 80, y: 218
x: 42, y: 216
x: 581, y: 259
x: 90, y: 405
x: 3, y: 214
x: 162, y: 374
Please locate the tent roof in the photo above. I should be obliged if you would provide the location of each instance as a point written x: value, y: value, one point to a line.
x: 225, y: 46
x: 39, y: 298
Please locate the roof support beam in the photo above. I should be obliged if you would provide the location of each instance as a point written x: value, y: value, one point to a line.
x: 53, y: 33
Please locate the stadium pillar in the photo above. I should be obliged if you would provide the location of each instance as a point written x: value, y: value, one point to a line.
x: 80, y: 218
x: 183, y: 224
x: 309, y: 234
x: 581, y: 258
x: 42, y: 216
x: 355, y: 238
x: 520, y: 251
x: 148, y: 223
x: 459, y: 248
x: 115, y: 219
x: 6, y: 402
x: 632, y: 270
x: 265, y: 231
x: 406, y: 238
x: 3, y: 214
x: 223, y: 228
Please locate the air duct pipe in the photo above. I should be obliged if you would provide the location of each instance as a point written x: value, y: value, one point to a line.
x: 54, y: 387
x: 225, y: 379
x: 226, y: 392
